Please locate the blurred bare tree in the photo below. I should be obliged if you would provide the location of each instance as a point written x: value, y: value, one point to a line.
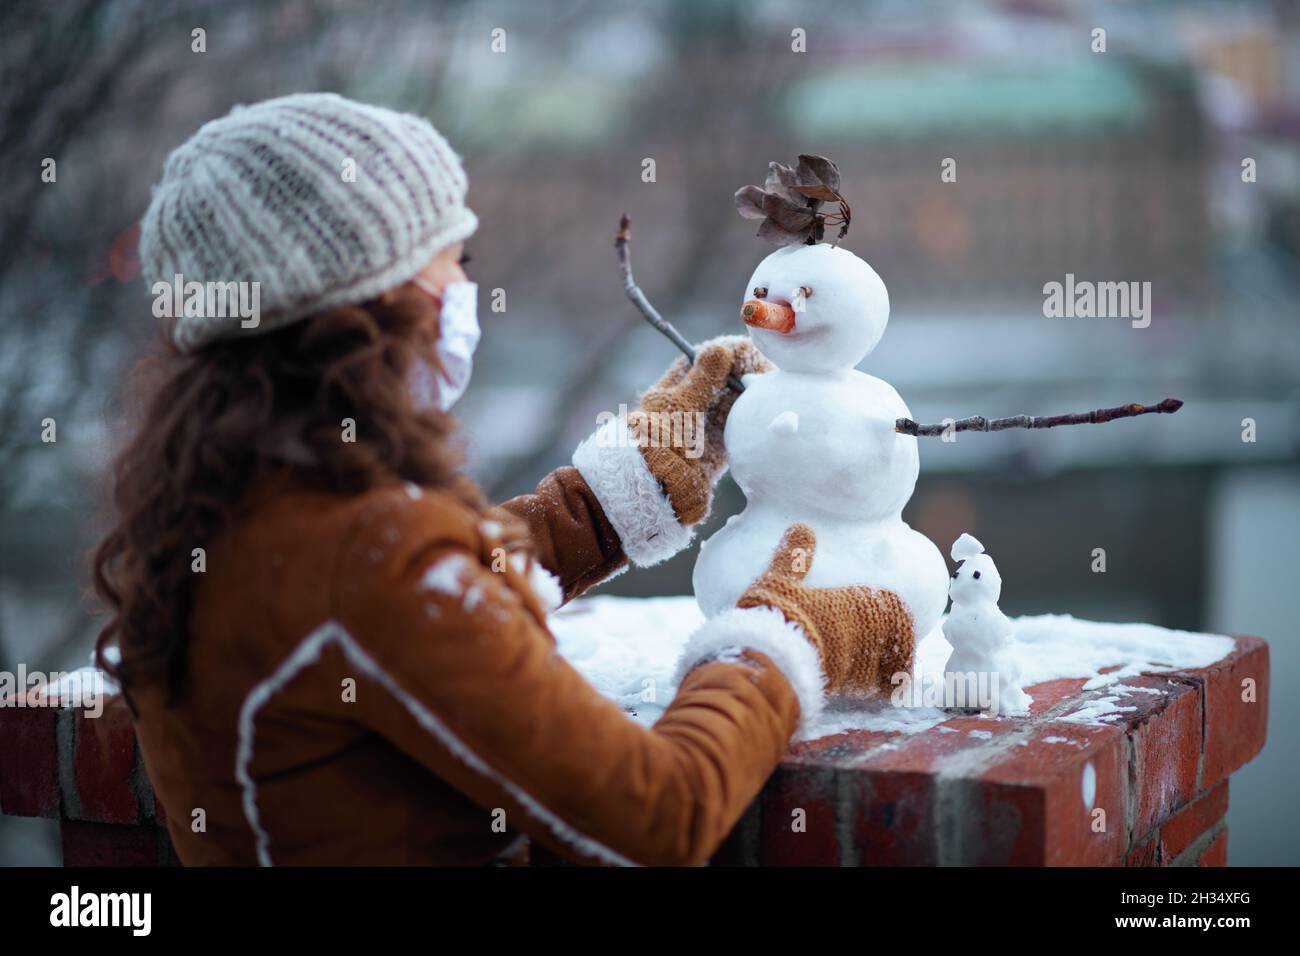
x: 1069, y: 162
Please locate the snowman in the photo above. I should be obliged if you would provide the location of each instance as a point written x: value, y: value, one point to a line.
x: 978, y: 630
x: 814, y: 442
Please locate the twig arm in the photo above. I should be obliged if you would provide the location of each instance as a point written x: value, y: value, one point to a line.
x: 978, y: 423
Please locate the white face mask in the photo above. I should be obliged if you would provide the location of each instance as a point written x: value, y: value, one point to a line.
x: 458, y: 335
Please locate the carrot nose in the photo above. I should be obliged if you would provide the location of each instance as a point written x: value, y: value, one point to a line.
x: 774, y: 316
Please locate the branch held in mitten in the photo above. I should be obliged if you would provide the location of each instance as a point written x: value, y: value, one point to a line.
x: 622, y: 238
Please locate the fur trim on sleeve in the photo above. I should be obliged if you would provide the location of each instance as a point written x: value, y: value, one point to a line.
x: 765, y: 630
x: 635, y: 504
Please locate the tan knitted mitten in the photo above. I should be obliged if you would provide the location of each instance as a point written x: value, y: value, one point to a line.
x: 686, y: 459
x: 864, y: 635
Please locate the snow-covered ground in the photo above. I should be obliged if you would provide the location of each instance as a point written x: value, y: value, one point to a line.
x: 627, y: 648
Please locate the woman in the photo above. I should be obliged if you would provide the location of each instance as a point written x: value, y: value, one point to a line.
x: 335, y: 650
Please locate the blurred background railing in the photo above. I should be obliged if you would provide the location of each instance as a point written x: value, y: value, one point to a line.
x: 1122, y: 166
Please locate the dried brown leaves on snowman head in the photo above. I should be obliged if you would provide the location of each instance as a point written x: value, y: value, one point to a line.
x: 789, y: 202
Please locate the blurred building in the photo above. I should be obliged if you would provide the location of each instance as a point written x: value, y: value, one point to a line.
x: 1118, y: 166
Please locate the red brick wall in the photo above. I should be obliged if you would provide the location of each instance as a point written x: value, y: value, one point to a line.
x: 57, y: 762
x: 1011, y: 792
x: 968, y: 791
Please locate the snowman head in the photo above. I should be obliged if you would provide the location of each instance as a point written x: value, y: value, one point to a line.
x: 815, y: 308
x: 976, y: 578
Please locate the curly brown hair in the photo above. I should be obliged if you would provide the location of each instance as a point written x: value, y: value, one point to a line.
x: 216, y: 422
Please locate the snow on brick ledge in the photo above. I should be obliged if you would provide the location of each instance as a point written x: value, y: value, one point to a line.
x: 1141, y: 722
x: 1150, y: 737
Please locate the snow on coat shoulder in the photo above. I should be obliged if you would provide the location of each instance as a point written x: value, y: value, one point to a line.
x: 453, y: 576
x: 443, y: 548
x: 447, y: 575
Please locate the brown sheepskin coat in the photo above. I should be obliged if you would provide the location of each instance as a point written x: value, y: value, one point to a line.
x: 372, y: 682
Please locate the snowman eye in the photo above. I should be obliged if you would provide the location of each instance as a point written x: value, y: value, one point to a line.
x: 976, y: 575
x: 760, y: 292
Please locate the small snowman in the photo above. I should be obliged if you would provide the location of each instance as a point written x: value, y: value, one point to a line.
x: 978, y: 631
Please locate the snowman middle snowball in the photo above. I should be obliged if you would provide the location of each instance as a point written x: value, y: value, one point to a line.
x: 814, y: 441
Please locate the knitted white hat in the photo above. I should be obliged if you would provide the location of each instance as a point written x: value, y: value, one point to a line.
x: 263, y: 195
